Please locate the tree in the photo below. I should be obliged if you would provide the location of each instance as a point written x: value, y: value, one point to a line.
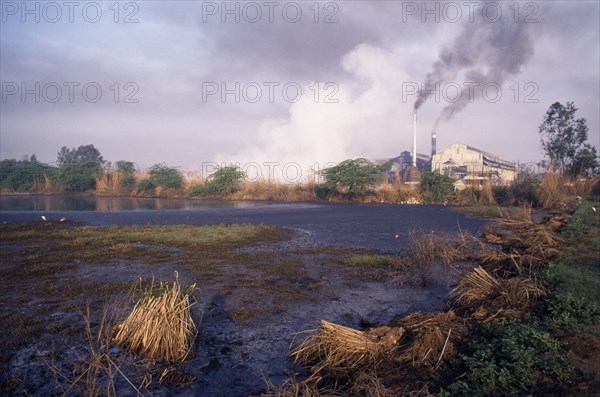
x: 81, y: 154
x: 564, y: 141
x: 355, y: 176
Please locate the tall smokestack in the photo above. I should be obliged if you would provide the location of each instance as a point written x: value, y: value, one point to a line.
x: 414, y: 148
x: 433, y: 143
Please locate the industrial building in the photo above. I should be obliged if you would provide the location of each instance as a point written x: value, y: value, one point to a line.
x: 471, y: 167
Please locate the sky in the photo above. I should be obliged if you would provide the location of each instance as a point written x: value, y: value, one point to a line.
x: 284, y: 88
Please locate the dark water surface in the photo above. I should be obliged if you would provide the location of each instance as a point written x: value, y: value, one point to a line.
x: 380, y: 226
x: 88, y: 203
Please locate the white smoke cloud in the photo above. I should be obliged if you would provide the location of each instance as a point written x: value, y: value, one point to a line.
x: 368, y: 121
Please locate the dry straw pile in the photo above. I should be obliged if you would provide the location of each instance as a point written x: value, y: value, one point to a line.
x: 485, y: 297
x: 160, y: 326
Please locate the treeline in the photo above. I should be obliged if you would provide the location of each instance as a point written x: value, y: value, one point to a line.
x: 82, y: 170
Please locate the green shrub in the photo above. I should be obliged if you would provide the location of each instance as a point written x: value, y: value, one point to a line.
x: 23, y: 176
x: 128, y: 181
x: 146, y: 186
x: 435, y: 187
x: 525, y: 189
x: 225, y: 180
x: 165, y: 177
x: 510, y: 359
x: 323, y: 191
x: 197, y: 191
x: 78, y: 177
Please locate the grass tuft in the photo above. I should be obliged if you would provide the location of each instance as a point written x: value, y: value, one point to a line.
x: 160, y: 326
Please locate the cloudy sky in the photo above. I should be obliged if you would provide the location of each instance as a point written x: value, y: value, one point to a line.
x: 190, y: 83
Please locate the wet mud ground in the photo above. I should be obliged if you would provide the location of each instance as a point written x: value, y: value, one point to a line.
x: 253, y: 300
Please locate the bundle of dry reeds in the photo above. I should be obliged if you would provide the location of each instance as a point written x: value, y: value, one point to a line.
x: 486, y: 297
x: 338, y: 351
x: 160, y: 326
x: 430, y: 338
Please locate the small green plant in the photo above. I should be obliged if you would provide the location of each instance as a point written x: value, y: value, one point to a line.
x: 568, y: 310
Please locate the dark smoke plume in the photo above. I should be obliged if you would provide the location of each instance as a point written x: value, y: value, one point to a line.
x: 484, y: 52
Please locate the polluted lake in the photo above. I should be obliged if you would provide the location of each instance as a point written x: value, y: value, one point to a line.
x: 68, y: 288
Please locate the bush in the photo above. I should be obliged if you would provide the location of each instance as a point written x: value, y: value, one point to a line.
x: 509, y: 359
x: 526, y: 190
x: 323, y: 191
x: 435, y: 187
x: 197, y: 191
x: 23, y: 176
x: 226, y: 180
x: 165, y: 177
x: 146, y: 186
x: 78, y: 177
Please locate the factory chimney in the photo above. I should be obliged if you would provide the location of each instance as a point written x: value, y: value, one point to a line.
x: 433, y: 143
x: 414, y: 148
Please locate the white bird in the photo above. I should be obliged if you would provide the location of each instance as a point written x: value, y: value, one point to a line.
x: 594, y: 209
x: 396, y: 236
x: 43, y: 218
x: 62, y: 219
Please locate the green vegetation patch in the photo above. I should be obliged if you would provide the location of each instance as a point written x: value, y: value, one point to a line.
x: 510, y: 359
x: 156, y: 243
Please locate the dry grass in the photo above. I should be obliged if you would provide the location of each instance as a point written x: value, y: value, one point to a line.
x: 487, y: 195
x: 337, y: 351
x: 275, y: 192
x: 429, y: 248
x: 486, y: 297
x: 109, y: 182
x: 377, y: 362
x: 395, y: 194
x: 430, y: 338
x: 160, y: 326
x: 529, y: 244
x: 552, y: 192
x: 98, y: 374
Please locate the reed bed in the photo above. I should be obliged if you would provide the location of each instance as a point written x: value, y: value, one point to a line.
x: 160, y: 326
